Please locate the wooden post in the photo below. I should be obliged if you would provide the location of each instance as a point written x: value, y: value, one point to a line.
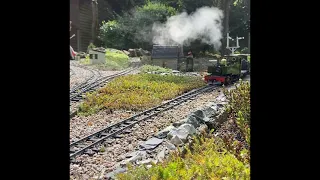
x: 94, y: 19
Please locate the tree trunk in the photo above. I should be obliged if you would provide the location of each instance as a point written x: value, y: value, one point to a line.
x: 226, y: 11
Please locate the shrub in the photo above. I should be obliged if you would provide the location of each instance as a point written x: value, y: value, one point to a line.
x: 91, y: 46
x: 134, y: 30
x: 111, y: 34
x: 138, y: 92
x: 85, y: 61
x: 114, y: 56
x: 245, y: 50
x: 206, y: 159
x: 239, y: 107
x: 157, y: 69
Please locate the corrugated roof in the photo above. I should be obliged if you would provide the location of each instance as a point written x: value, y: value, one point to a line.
x: 165, y: 51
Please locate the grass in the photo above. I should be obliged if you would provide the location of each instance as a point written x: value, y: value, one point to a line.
x: 115, y: 60
x: 138, y: 92
x: 208, y: 159
x: 157, y: 69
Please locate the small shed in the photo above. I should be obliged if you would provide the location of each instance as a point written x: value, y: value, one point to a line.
x: 97, y: 56
x: 166, y: 56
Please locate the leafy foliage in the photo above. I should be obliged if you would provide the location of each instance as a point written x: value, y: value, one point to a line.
x: 205, y: 159
x: 138, y: 92
x: 91, y: 46
x: 157, y: 69
x: 245, y: 50
x: 115, y: 60
x: 133, y: 30
x: 210, y: 157
x: 239, y: 107
x: 111, y: 34
x: 117, y: 57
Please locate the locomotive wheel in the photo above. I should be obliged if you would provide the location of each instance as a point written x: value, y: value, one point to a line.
x: 227, y: 81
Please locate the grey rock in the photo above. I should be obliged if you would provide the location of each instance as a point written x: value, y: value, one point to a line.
x: 210, y: 111
x: 181, y: 133
x: 135, y: 156
x: 151, y: 143
x: 161, y: 156
x: 170, y: 146
x: 138, y: 52
x: 201, y: 117
x: 222, y: 117
x: 203, y: 128
x: 111, y: 175
x: 163, y: 133
x: 176, y: 140
x: 179, y: 123
x: 221, y: 105
x: 132, y: 52
x: 221, y: 98
x: 147, y: 161
x: 193, y: 120
x: 189, y: 127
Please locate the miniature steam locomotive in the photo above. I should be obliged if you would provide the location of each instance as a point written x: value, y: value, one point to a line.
x: 228, y: 69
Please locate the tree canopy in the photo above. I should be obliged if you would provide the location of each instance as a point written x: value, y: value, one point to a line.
x: 132, y: 20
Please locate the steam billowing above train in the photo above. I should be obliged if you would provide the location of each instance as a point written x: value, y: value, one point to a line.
x: 204, y: 24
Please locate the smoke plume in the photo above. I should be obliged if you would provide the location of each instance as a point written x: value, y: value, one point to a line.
x: 204, y: 24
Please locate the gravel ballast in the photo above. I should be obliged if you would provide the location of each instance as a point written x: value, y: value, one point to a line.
x: 93, y: 167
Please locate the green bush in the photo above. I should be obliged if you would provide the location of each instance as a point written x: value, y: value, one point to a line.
x: 134, y: 30
x: 138, y: 92
x: 157, y: 69
x: 239, y: 107
x: 237, y: 52
x: 91, y: 46
x: 206, y: 159
x: 111, y: 34
x: 245, y: 50
x: 114, y: 56
x: 85, y: 61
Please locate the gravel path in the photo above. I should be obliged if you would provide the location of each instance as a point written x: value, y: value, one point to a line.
x: 101, y: 163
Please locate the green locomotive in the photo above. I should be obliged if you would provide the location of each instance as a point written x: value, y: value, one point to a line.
x: 228, y: 69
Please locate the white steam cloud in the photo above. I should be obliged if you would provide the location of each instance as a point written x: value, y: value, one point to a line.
x: 204, y: 24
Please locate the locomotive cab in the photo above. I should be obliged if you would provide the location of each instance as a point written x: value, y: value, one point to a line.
x: 227, y: 70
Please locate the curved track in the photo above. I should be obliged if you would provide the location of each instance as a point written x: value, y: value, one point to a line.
x: 89, y: 144
x: 94, y: 75
x: 76, y: 94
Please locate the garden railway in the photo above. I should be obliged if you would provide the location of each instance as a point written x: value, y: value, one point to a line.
x: 118, y: 128
x: 159, y: 84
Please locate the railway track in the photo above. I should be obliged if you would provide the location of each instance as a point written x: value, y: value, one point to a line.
x: 94, y: 75
x: 90, y: 144
x: 76, y: 94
